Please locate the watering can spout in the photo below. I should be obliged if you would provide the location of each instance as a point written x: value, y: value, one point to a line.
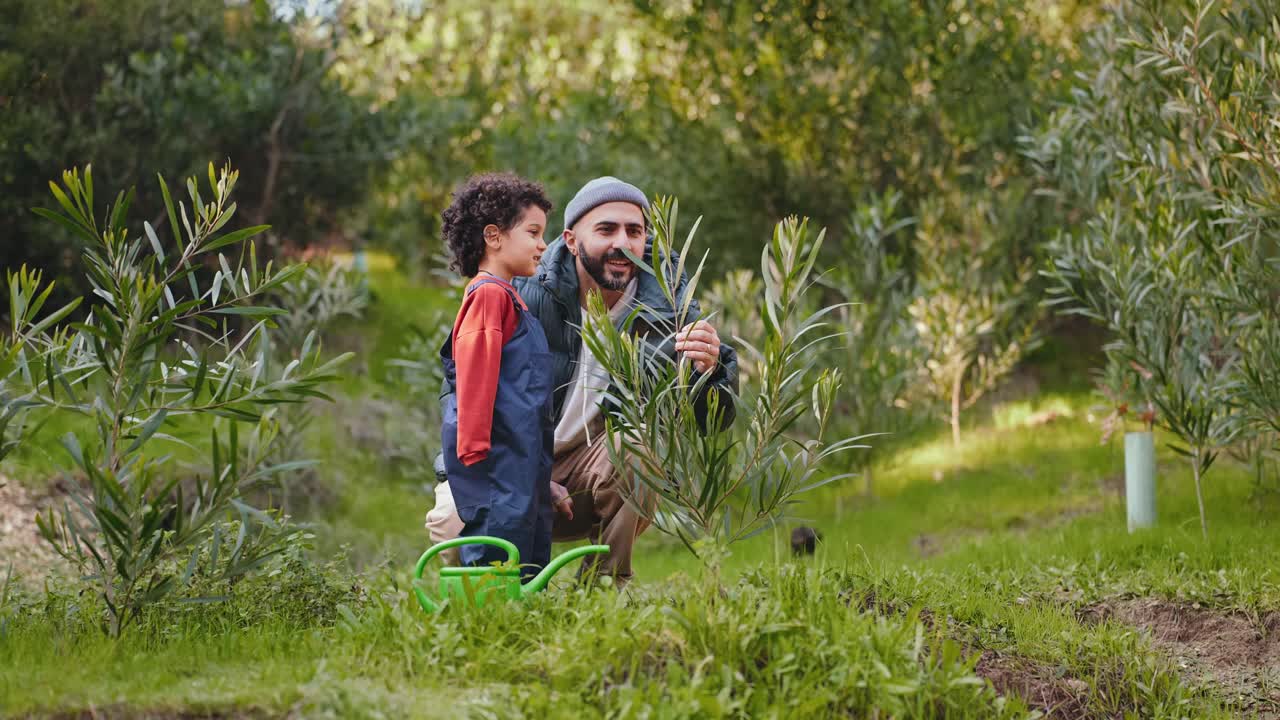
x: 539, y: 582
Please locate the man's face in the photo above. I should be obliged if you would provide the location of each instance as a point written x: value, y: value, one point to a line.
x: 599, y: 238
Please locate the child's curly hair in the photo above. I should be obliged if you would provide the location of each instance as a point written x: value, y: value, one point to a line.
x: 489, y: 199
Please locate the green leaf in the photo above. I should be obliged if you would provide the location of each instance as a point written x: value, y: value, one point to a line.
x: 173, y: 217
x: 72, y: 444
x: 120, y: 210
x: 149, y: 428
x: 72, y: 212
x: 201, y: 372
x: 69, y: 224
x: 158, y: 590
x: 155, y: 241
x: 215, y: 546
x: 251, y: 310
x: 55, y: 317
x: 231, y: 238
x: 88, y: 190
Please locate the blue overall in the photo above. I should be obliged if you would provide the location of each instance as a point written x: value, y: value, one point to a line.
x: 508, y: 494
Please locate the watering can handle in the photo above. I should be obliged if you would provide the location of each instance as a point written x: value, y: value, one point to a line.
x: 513, y: 556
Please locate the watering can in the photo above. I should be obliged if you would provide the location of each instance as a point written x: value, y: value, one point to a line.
x: 474, y: 586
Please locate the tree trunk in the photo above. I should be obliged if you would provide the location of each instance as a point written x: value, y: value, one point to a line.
x: 1195, y: 471
x: 274, y: 149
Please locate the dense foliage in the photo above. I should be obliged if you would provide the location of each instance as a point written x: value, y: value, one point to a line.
x: 352, y: 123
x: 145, y: 86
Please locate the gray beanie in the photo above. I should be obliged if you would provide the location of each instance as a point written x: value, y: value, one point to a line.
x: 598, y: 192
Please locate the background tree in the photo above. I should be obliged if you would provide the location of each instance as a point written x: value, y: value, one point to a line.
x: 156, y: 85
x: 975, y: 312
x: 1145, y: 281
x: 880, y: 353
x: 1178, y: 251
x: 745, y: 112
x: 818, y: 102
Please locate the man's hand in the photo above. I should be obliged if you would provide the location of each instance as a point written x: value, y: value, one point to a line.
x: 701, y: 344
x: 561, y: 501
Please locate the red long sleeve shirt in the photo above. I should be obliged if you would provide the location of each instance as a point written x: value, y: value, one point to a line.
x: 486, y: 321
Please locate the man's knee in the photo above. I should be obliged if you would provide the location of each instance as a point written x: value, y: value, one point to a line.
x: 623, y: 479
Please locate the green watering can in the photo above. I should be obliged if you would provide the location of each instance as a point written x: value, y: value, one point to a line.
x: 474, y: 586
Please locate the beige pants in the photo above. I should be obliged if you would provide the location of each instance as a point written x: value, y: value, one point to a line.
x: 443, y: 522
x: 601, y: 511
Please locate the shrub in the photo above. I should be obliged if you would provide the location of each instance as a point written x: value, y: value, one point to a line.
x: 158, y: 364
x: 718, y: 487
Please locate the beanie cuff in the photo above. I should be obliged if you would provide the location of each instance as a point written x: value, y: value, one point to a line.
x: 598, y: 192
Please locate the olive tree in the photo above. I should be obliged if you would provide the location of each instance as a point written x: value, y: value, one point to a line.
x: 159, y: 368
x: 1168, y: 154
x: 880, y: 353
x: 712, y: 488
x: 975, y: 312
x: 1165, y: 324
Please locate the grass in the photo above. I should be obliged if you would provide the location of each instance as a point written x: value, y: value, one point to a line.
x: 843, y: 632
x: 525, y: 659
x: 987, y: 551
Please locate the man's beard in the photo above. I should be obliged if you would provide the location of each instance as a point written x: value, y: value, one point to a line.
x: 604, y: 276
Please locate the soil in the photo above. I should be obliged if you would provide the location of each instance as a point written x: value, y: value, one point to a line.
x: 1041, y: 687
x: 21, y: 547
x: 1237, y: 652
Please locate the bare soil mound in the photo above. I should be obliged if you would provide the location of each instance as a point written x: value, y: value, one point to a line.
x: 1041, y: 687
x: 1238, y: 652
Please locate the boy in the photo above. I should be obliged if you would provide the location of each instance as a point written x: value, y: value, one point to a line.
x: 497, y: 433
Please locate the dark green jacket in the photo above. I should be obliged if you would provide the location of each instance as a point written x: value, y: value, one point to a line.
x: 552, y: 297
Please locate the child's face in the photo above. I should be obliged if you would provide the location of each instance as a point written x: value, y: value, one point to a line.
x: 522, y: 246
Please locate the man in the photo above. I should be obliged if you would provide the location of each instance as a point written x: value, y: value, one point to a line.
x: 606, y: 217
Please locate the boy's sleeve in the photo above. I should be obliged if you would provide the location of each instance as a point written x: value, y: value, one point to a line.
x: 485, y: 322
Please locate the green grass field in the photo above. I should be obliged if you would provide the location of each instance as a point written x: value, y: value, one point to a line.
x: 993, y: 580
